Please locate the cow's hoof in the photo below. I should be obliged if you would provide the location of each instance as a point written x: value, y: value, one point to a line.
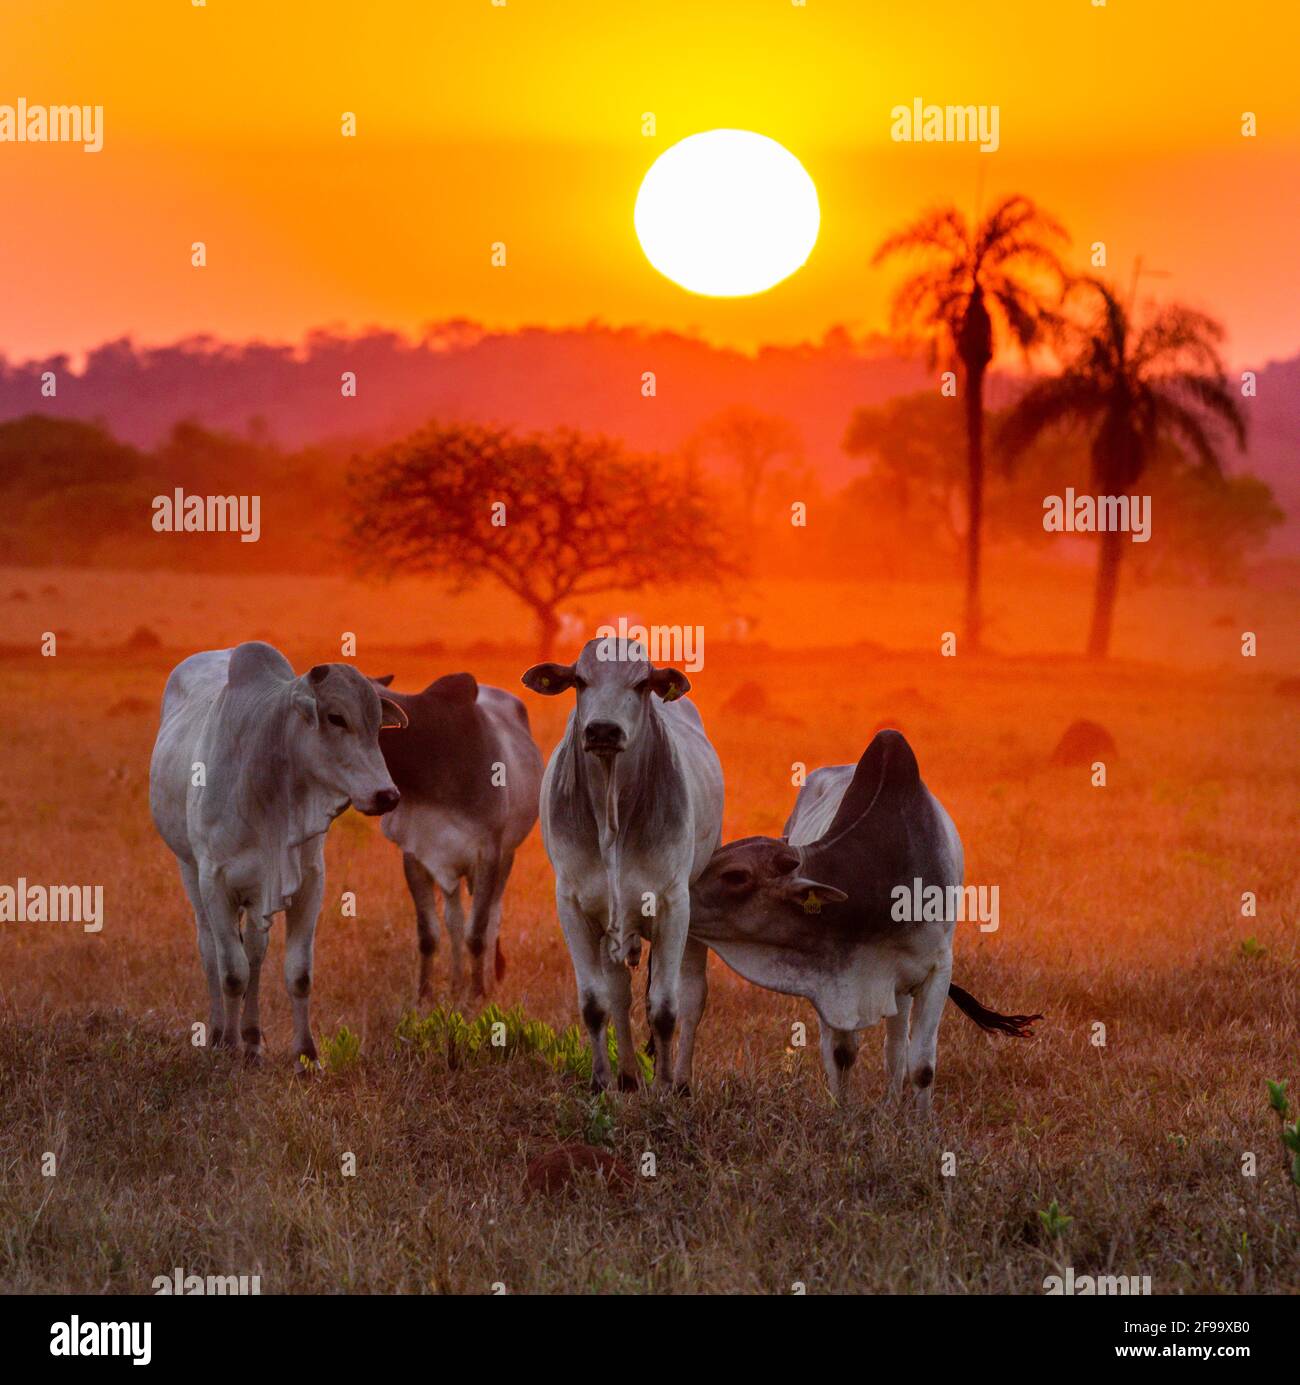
x: 681, y: 1089
x: 597, y: 1087
x: 253, y: 1057
x: 628, y: 1083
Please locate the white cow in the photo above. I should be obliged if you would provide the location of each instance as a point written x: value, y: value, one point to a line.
x: 631, y: 809
x: 250, y: 767
x: 813, y: 914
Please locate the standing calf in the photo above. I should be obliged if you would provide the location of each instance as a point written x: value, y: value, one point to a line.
x: 631, y: 812
x: 468, y: 771
x: 250, y: 767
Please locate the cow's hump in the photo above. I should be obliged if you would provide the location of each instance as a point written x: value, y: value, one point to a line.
x: 455, y: 689
x: 254, y: 661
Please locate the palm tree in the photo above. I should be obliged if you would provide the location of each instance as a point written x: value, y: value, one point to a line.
x: 1134, y: 388
x: 978, y: 282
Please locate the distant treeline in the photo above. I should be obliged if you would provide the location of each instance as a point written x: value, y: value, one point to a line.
x: 591, y: 378
x: 76, y: 495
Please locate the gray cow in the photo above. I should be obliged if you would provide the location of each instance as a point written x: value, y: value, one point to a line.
x: 468, y: 770
x: 250, y: 767
x: 814, y: 914
x: 631, y: 812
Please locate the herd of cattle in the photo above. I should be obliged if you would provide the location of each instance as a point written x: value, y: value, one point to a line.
x: 253, y: 763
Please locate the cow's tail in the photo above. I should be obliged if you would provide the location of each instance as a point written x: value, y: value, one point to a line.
x: 500, y: 962
x: 1017, y: 1026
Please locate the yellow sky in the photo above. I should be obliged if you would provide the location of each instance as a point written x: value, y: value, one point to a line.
x: 523, y: 123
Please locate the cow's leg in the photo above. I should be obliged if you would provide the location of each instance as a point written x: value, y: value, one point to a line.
x: 896, y: 1030
x: 839, y: 1051
x: 923, y: 1045
x: 485, y: 891
x: 299, y: 938
x: 495, y: 958
x: 222, y: 914
x: 594, y: 1002
x: 255, y: 939
x: 207, y: 951
x: 618, y: 982
x: 694, y: 992
x: 664, y: 995
x: 420, y: 884
x: 453, y: 915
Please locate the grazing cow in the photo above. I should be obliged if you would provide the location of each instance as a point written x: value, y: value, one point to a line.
x: 250, y: 767
x: 469, y: 772
x: 812, y: 914
x: 631, y: 813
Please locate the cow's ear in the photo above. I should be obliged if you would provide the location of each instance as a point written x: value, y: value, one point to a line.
x: 391, y: 716
x: 549, y: 679
x: 303, y: 700
x: 791, y: 884
x: 810, y: 895
x: 385, y: 680
x: 669, y: 683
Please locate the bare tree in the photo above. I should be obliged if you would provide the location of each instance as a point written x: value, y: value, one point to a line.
x: 547, y: 516
x: 753, y: 442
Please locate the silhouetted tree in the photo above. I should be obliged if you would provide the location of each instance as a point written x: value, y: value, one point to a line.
x: 548, y: 516
x: 915, y: 443
x: 1132, y: 388
x: 977, y: 281
x: 753, y: 442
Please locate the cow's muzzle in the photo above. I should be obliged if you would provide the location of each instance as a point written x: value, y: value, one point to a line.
x: 383, y: 802
x: 604, y: 738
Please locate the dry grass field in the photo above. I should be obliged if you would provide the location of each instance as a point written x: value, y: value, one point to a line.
x: 1120, y: 906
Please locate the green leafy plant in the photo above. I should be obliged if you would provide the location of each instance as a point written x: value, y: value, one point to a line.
x: 1252, y: 947
x: 1055, y: 1221
x: 497, y: 1035
x: 599, y: 1127
x: 1277, y: 1099
x: 342, y: 1051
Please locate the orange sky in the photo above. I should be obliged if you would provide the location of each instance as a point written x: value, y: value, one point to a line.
x: 522, y: 123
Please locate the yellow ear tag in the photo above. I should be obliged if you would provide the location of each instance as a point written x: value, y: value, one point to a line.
x: 812, y: 905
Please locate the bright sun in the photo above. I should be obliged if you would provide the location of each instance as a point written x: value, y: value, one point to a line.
x: 727, y: 213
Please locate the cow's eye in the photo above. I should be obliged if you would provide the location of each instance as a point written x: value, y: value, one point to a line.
x: 335, y: 720
x: 735, y: 878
